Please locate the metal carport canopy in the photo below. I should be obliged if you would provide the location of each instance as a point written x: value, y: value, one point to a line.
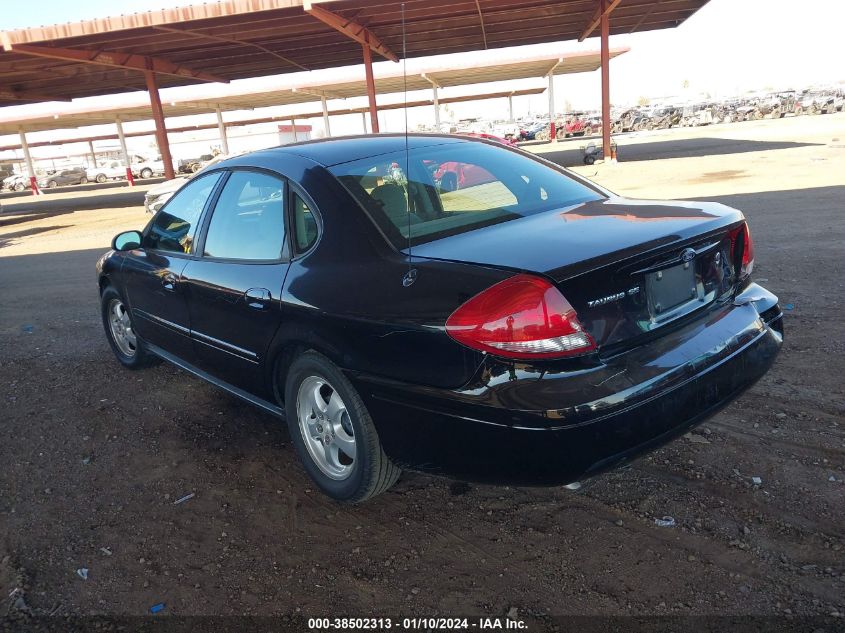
x: 236, y: 39
x: 302, y: 88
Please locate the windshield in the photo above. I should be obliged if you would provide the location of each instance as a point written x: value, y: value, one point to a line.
x: 444, y: 190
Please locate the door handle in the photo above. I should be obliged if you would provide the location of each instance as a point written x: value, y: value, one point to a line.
x: 257, y: 298
x: 168, y: 282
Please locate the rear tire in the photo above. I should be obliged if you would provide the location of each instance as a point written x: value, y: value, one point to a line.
x: 327, y: 420
x: 101, y: 178
x: 146, y: 173
x: 20, y: 186
x: 52, y: 184
x: 129, y: 348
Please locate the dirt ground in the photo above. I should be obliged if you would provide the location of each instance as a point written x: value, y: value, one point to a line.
x: 94, y: 457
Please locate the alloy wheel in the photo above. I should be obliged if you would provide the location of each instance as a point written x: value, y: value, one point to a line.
x: 120, y: 327
x: 326, y: 428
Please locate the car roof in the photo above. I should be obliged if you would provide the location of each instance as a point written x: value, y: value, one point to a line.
x: 343, y: 149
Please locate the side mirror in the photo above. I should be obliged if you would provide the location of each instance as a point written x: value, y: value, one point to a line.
x: 127, y: 241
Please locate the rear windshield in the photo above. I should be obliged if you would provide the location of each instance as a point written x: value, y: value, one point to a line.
x: 434, y: 192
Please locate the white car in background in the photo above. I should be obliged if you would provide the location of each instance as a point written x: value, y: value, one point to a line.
x: 158, y: 194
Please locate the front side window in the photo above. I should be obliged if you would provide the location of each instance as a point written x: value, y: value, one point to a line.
x: 176, y: 224
x: 249, y: 218
x: 442, y: 190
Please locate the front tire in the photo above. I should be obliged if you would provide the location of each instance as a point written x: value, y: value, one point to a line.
x: 129, y: 349
x: 146, y: 173
x: 333, y: 433
x: 101, y: 178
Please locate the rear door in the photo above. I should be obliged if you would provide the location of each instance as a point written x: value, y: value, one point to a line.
x: 235, y: 285
x: 154, y: 283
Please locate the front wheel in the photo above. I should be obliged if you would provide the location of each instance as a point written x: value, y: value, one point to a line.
x: 83, y: 181
x: 333, y: 433
x: 146, y: 173
x: 120, y: 332
x: 52, y: 184
x: 101, y: 178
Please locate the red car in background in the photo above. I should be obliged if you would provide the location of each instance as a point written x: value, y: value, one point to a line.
x: 577, y: 124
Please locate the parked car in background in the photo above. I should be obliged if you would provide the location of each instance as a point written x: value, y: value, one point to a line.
x: 112, y: 170
x: 62, y: 177
x: 16, y: 182
x: 576, y: 124
x: 530, y: 328
x: 157, y: 195
x: 192, y: 165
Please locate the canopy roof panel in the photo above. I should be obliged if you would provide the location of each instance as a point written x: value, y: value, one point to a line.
x: 302, y: 88
x: 234, y: 39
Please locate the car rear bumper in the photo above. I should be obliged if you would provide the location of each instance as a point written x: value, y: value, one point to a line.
x: 533, y: 424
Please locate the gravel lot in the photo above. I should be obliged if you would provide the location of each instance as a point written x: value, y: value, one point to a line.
x: 94, y: 456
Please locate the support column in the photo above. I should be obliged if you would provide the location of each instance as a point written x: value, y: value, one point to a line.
x: 364, y: 121
x: 29, y: 167
x: 293, y: 129
x: 436, y: 108
x: 221, y: 127
x: 93, y: 153
x: 510, y: 108
x: 371, y: 87
x: 122, y: 138
x: 605, y: 80
x: 326, y: 117
x: 552, y: 123
x: 130, y: 179
x: 161, y: 130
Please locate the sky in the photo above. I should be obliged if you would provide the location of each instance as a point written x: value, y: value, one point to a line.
x: 727, y: 48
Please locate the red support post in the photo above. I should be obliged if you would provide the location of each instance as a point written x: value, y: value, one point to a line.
x: 371, y: 87
x: 129, y: 177
x: 605, y: 80
x: 161, y: 130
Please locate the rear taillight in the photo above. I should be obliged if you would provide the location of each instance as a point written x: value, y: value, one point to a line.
x: 741, y: 239
x: 522, y: 317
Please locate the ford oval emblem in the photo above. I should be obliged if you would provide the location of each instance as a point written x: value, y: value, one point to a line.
x: 687, y: 255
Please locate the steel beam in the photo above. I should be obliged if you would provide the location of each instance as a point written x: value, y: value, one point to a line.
x: 116, y: 60
x: 351, y: 29
x: 9, y: 94
x: 221, y: 127
x: 93, y: 153
x: 371, y: 88
x: 552, y: 123
x: 122, y: 138
x: 161, y: 129
x: 603, y: 11
x: 510, y: 108
x: 605, y: 76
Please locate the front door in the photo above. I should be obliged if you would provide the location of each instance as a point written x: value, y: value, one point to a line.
x: 155, y: 286
x: 234, y: 287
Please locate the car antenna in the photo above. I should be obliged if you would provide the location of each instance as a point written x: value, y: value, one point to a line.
x: 410, y: 276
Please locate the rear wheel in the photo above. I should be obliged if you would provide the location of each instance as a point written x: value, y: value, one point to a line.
x: 101, y: 178
x: 146, y: 172
x: 120, y: 332
x: 20, y: 186
x: 83, y: 181
x: 333, y: 433
x: 52, y: 184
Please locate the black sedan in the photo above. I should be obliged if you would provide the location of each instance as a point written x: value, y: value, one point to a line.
x: 451, y: 305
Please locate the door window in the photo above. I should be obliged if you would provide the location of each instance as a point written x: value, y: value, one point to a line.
x: 249, y: 219
x: 176, y: 224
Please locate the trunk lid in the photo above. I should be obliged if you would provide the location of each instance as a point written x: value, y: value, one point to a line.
x: 628, y: 267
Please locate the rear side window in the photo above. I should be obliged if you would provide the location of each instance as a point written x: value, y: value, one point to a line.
x: 434, y: 192
x: 175, y: 225
x: 305, y: 224
x: 248, y: 221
